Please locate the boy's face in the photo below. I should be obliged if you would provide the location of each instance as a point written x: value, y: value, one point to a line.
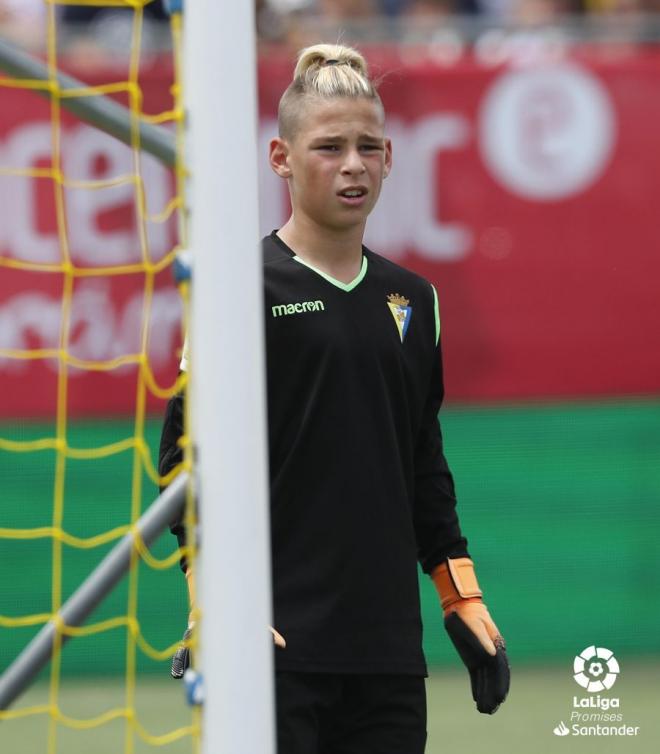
x: 336, y: 161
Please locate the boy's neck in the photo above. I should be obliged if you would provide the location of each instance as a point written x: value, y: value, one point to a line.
x: 338, y: 254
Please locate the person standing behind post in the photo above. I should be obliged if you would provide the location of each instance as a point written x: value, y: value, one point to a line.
x: 360, y: 487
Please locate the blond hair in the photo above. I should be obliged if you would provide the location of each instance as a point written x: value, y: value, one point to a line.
x: 324, y: 71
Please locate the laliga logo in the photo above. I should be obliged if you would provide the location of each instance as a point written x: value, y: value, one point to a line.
x: 595, y: 669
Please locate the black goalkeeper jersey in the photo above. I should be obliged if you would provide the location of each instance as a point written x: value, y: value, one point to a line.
x: 360, y: 488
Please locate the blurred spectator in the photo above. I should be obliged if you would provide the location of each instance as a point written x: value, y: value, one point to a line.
x: 494, y: 8
x: 645, y: 6
x: 391, y: 8
x: 615, y: 6
x: 98, y: 35
x: 11, y: 10
x: 285, y: 6
x: 347, y: 10
x: 512, y: 9
x: 83, y: 14
x: 24, y: 21
x: 428, y: 8
x: 536, y: 12
x: 627, y: 23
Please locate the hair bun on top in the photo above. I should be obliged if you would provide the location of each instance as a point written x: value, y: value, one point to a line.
x: 323, y: 71
x: 331, y: 70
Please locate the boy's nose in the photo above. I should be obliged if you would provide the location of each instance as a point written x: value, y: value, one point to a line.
x: 353, y: 162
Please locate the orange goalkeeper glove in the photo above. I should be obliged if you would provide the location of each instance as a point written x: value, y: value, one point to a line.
x: 181, y: 659
x: 473, y: 633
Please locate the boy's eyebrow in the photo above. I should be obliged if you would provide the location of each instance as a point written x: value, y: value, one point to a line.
x: 338, y: 138
x: 328, y: 138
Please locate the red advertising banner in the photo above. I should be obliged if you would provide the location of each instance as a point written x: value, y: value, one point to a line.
x: 525, y: 193
x: 101, y: 221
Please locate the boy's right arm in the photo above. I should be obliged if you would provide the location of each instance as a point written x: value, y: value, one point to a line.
x: 170, y: 455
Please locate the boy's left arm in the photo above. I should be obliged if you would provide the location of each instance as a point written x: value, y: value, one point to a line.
x: 443, y: 554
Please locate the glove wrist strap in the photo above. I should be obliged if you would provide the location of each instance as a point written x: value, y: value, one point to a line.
x: 455, y: 580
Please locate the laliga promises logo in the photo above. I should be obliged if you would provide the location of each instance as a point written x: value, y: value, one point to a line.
x: 595, y: 669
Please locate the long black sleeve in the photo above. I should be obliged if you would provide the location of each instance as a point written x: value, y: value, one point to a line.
x: 170, y: 454
x: 436, y: 524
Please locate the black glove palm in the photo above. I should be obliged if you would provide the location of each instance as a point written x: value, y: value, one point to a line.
x: 489, y: 675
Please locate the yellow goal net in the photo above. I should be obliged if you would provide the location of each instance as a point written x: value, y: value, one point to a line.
x: 90, y: 336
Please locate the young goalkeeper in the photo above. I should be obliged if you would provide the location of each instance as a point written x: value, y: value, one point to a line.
x: 360, y: 488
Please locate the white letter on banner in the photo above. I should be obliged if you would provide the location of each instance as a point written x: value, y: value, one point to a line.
x: 93, y: 320
x: 433, y: 239
x: 89, y: 244
x: 5, y: 191
x: 25, y: 317
x: 164, y: 326
x: 158, y: 190
x: 25, y: 147
x: 547, y: 133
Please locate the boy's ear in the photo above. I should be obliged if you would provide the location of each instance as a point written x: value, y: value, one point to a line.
x: 388, y: 157
x: 279, y: 157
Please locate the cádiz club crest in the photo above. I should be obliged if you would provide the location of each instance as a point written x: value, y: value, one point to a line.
x: 401, y: 312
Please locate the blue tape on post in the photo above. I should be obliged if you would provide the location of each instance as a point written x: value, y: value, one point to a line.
x: 194, y: 686
x: 173, y: 6
x: 182, y: 267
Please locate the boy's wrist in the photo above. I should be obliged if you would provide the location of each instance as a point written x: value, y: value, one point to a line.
x: 456, y: 581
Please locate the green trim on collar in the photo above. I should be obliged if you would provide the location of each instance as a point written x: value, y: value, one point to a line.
x: 343, y: 286
x: 437, y: 314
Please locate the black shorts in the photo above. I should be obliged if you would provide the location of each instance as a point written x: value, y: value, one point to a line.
x: 324, y: 713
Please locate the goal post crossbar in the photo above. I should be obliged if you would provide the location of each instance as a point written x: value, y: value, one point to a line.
x: 96, y: 587
x: 100, y: 110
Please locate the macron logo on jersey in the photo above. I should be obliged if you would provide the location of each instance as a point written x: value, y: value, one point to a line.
x: 298, y: 308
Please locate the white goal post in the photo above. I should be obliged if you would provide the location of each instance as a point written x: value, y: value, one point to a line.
x: 227, y: 377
